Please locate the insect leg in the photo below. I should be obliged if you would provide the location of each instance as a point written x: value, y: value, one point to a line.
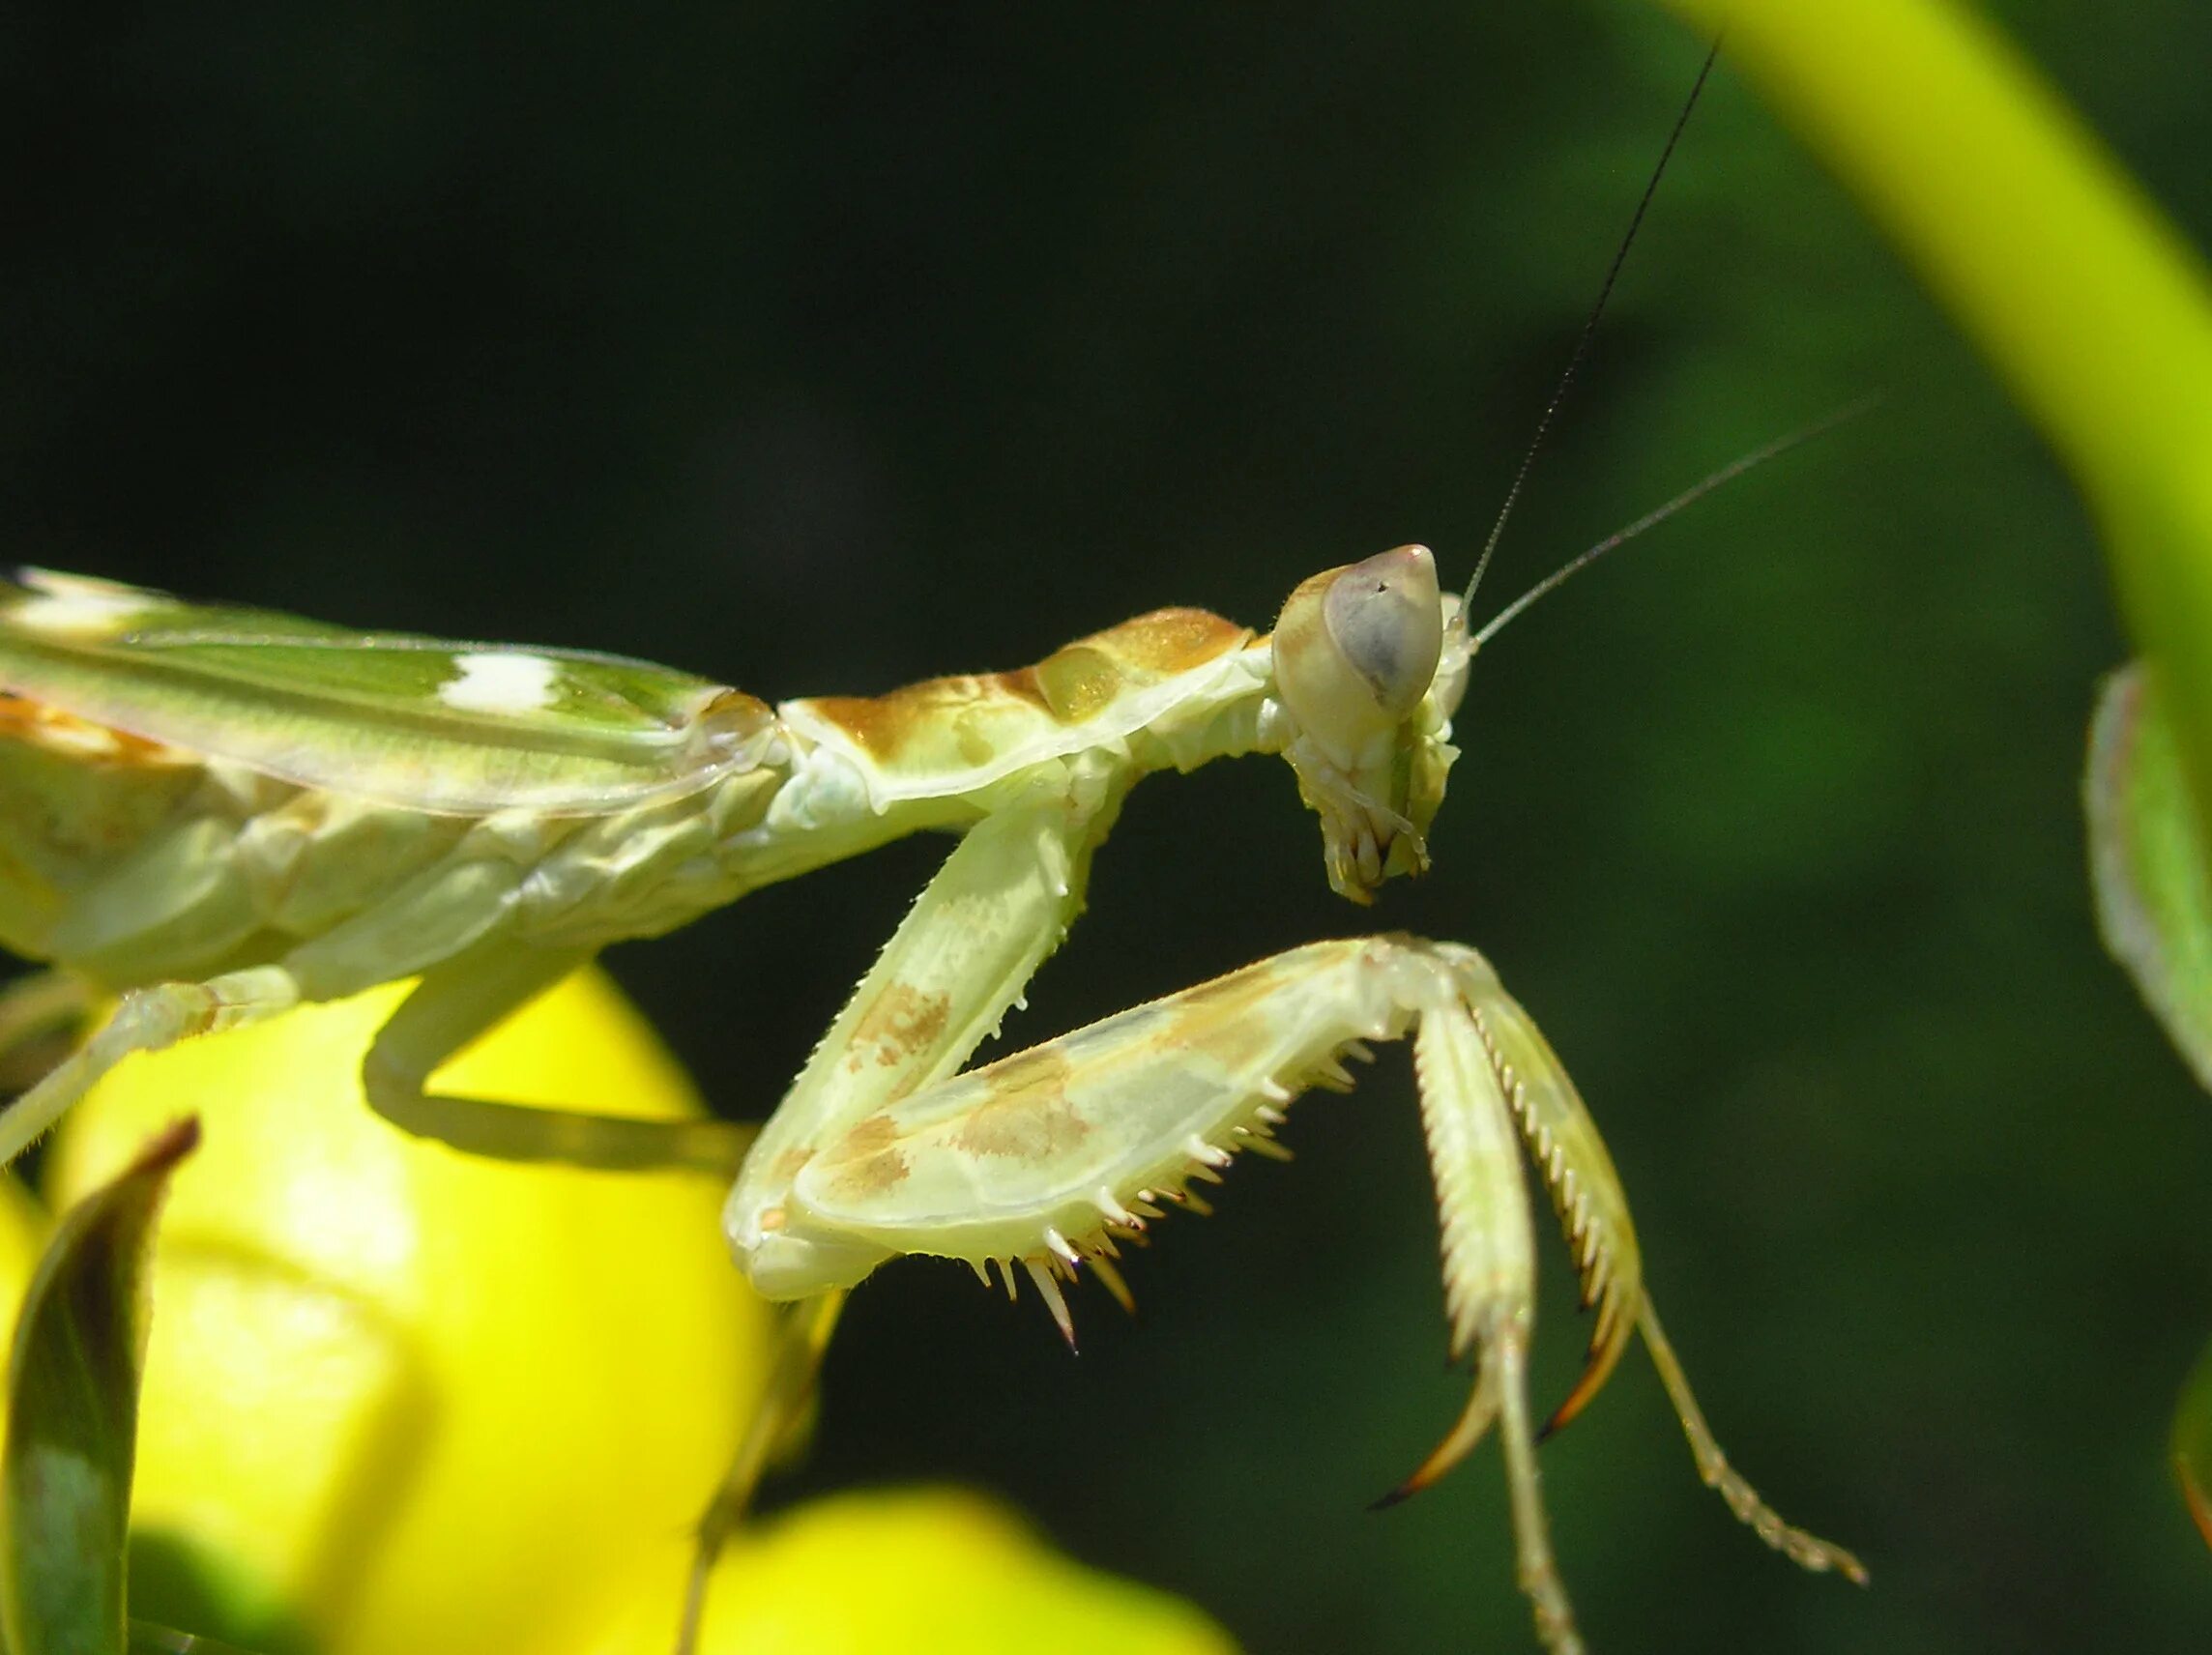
x: 1564, y: 1143
x: 1490, y: 1286
x: 802, y: 1339
x: 956, y: 966
x: 1046, y: 1155
x: 1807, y: 1550
x: 1052, y: 1155
x: 957, y: 963
x: 460, y: 999
x: 145, y: 1020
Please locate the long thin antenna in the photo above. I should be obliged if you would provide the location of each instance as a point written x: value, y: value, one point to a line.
x: 1590, y: 327
x: 1689, y: 496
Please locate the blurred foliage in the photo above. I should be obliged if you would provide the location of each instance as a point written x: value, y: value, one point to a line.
x: 72, y: 1413
x: 399, y: 1401
x: 828, y: 348
x: 2099, y: 317
x: 2193, y: 1444
x: 2147, y: 862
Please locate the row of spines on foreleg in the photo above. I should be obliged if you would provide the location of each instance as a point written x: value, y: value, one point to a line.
x: 1126, y: 1218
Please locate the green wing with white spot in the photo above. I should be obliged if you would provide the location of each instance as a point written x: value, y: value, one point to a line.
x: 419, y: 722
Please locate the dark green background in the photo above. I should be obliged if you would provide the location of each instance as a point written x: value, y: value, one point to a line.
x: 825, y: 348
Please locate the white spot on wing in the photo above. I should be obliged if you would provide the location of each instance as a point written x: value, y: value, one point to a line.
x: 77, y: 606
x: 501, y: 680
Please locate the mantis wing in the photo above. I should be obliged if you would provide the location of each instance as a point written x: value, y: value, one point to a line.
x: 422, y: 723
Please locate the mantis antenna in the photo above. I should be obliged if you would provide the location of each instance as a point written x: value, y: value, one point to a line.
x: 1589, y: 331
x: 1659, y: 514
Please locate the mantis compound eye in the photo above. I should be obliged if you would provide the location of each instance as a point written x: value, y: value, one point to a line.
x: 1357, y: 649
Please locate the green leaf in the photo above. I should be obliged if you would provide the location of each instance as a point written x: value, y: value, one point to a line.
x: 72, y: 1416
x: 2147, y: 862
x: 2193, y: 1444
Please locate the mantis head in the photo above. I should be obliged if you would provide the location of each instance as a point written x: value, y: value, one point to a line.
x: 1370, y: 660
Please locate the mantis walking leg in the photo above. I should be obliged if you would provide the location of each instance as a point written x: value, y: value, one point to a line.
x: 1000, y: 904
x: 802, y: 1340
x: 455, y: 1002
x: 145, y: 1020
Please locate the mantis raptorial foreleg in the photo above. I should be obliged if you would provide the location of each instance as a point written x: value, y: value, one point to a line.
x: 959, y: 960
x: 956, y: 964
x: 1489, y: 1245
x: 1053, y: 1155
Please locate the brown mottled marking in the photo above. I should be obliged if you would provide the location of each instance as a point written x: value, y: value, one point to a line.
x: 871, y: 1177
x: 1069, y: 685
x: 904, y: 1021
x: 883, y: 724
x: 1215, y: 1018
x: 877, y: 1132
x: 865, y: 1161
x: 791, y: 1163
x: 37, y: 724
x: 1028, y: 1116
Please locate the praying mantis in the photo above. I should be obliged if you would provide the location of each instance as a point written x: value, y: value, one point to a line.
x: 222, y: 812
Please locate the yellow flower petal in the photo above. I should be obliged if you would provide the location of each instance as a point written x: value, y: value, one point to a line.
x: 23, y: 1230
x: 911, y: 1572
x: 407, y: 1398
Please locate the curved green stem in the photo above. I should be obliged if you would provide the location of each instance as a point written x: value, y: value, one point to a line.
x: 2085, y: 301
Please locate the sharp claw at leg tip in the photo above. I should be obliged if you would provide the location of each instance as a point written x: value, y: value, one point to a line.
x: 1568, y: 1410
x: 1397, y: 1496
x: 1432, y: 1470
